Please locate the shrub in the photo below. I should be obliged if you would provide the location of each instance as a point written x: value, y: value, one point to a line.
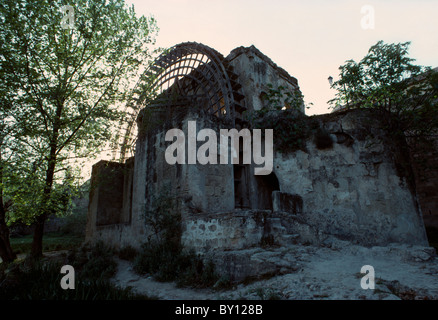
x: 224, y: 282
x: 282, y: 113
x: 94, y: 262
x: 163, y: 256
x: 74, y: 224
x: 323, y: 140
x: 158, y: 259
x: 197, y: 273
x: 171, y: 263
x: 52, y: 241
x: 128, y: 253
x: 41, y: 281
x: 163, y: 217
x: 291, y: 127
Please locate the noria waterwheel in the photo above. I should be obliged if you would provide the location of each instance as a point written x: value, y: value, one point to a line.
x: 188, y: 73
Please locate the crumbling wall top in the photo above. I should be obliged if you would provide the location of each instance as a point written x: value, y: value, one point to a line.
x: 251, y: 51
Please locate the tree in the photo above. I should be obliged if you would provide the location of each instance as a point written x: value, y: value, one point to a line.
x: 7, y: 154
x: 6, y: 253
x: 62, y: 88
x: 387, y: 81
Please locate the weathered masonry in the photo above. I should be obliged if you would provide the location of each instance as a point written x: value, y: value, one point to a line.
x: 350, y: 190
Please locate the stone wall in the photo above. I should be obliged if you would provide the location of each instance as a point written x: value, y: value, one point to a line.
x: 425, y: 162
x: 256, y: 71
x: 223, y: 231
x: 133, y: 187
x: 110, y: 211
x: 353, y: 190
x: 196, y: 187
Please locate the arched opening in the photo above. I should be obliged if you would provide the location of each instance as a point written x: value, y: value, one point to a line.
x: 265, y: 186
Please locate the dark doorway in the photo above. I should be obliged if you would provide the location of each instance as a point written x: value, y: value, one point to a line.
x: 265, y: 186
x: 241, y: 196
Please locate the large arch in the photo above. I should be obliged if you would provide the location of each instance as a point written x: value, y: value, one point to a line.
x: 187, y: 73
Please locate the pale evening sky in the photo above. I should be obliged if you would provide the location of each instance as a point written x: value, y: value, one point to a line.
x: 309, y: 39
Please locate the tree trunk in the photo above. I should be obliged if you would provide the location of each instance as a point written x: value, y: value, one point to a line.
x: 37, y: 242
x: 6, y: 252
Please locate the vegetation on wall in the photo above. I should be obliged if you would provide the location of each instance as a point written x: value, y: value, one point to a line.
x: 278, y: 98
x: 282, y: 113
x: 403, y: 95
x: 163, y: 255
x: 322, y: 139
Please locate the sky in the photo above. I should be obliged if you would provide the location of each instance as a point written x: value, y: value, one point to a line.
x: 309, y: 39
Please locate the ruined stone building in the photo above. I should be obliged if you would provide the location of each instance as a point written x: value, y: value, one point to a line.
x: 351, y: 190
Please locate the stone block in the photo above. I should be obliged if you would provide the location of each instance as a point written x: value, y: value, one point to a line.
x: 286, y: 202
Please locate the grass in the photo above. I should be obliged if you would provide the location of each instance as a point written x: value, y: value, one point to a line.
x: 94, y: 266
x: 40, y: 280
x: 128, y: 253
x: 168, y: 262
x: 51, y: 242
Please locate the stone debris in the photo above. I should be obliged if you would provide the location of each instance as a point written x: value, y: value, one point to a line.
x: 314, y: 273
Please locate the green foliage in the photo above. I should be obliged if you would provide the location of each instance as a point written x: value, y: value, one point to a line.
x: 60, y: 94
x: 323, y: 139
x: 41, y: 280
x: 197, y: 273
x: 128, y: 253
x: 163, y: 217
x: 167, y: 262
x: 53, y: 242
x: 282, y: 113
x: 25, y: 194
x: 163, y: 256
x: 387, y: 81
x: 403, y: 95
x: 279, y: 99
x: 224, y: 283
x: 74, y: 224
x: 291, y: 128
x: 94, y: 262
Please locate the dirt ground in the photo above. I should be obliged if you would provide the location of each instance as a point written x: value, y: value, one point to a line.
x: 401, y: 272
